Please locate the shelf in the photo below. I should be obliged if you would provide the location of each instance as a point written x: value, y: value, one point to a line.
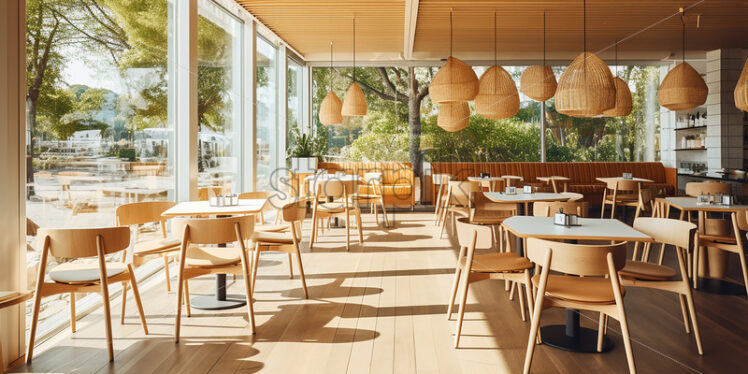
x: 691, y: 149
x: 691, y: 128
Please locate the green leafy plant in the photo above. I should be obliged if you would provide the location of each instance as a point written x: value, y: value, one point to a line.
x: 305, y: 145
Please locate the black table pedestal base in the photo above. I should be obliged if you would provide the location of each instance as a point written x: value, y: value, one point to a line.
x: 719, y: 286
x: 585, y: 340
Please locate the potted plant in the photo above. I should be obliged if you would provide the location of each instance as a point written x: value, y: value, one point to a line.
x: 304, y: 151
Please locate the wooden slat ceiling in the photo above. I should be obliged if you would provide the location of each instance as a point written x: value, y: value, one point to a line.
x: 651, y: 28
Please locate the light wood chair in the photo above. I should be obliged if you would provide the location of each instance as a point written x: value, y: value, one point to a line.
x: 573, y: 196
x: 512, y: 180
x: 638, y: 272
x: 8, y: 299
x: 493, y: 185
x: 83, y: 277
x: 734, y: 242
x: 473, y: 267
x: 621, y: 193
x: 203, y: 193
x: 587, y: 291
x: 694, y: 189
x: 559, y: 184
x: 197, y: 259
x: 287, y: 242
x: 272, y: 204
x: 489, y: 213
x: 342, y: 204
x: 549, y: 208
x: 133, y: 216
x: 374, y: 197
x: 459, y: 202
x: 442, y: 180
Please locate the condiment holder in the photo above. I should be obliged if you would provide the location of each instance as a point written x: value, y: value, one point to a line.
x: 510, y: 190
x: 567, y: 220
x: 527, y: 189
x: 627, y: 176
x: 223, y: 200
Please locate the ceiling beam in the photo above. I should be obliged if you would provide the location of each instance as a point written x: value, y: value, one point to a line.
x: 411, y: 19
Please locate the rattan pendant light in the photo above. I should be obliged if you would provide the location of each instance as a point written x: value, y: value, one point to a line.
x: 586, y: 88
x: 354, y: 103
x: 538, y: 81
x: 329, y: 110
x: 455, y: 81
x: 741, y: 90
x: 453, y: 116
x: 623, y: 96
x: 497, y: 95
x: 683, y: 88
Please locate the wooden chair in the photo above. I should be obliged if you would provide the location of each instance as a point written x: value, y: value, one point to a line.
x: 548, y: 209
x: 272, y: 199
x: 588, y: 291
x: 196, y: 259
x: 83, y: 277
x: 442, y: 180
x: 694, y: 189
x: 477, y: 267
x: 374, y: 197
x: 493, y: 185
x: 573, y: 196
x: 203, y: 193
x: 459, y: 202
x: 136, y: 214
x: 557, y: 182
x: 620, y: 193
x: 287, y: 242
x: 735, y: 242
x: 489, y: 213
x: 640, y: 273
x: 512, y: 180
x: 342, y: 204
x: 8, y: 299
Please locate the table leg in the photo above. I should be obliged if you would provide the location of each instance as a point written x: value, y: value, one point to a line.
x: 520, y: 241
x: 572, y: 337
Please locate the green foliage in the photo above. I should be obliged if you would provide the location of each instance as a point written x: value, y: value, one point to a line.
x: 127, y: 153
x: 305, y: 145
x: 384, y: 138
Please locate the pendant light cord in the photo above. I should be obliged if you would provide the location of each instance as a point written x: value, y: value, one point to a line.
x: 616, y: 58
x: 354, y: 49
x: 543, y: 38
x: 495, y: 42
x: 683, y: 23
x: 584, y: 27
x: 331, y: 66
x: 450, y: 33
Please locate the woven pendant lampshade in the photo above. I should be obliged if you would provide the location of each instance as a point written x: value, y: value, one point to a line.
x: 623, y: 100
x: 497, y: 95
x: 586, y: 88
x: 454, y: 82
x: 453, y: 116
x: 354, y: 103
x: 538, y: 82
x: 329, y: 110
x: 741, y: 90
x: 683, y: 88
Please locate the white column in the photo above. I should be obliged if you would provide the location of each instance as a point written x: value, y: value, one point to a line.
x: 248, y: 125
x: 724, y: 137
x: 185, y: 94
x: 251, y: 144
x: 282, y: 108
x: 13, y: 173
x: 306, y: 94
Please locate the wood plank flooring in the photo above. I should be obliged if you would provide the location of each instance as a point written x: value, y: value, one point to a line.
x: 381, y: 308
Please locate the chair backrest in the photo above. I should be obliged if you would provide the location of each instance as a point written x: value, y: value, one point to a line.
x: 461, y: 192
x: 493, y: 185
x: 668, y: 231
x: 441, y: 178
x: 294, y: 211
x: 213, y: 230
x: 75, y: 243
x: 512, y: 180
x: 203, y: 193
x: 703, y: 188
x: 467, y: 232
x: 625, y: 185
x: 370, y: 177
x: 141, y: 213
x: 741, y: 220
x: 334, y: 188
x: 549, y: 208
x: 577, y: 259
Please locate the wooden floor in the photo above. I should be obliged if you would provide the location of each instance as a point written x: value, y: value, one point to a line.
x: 381, y: 308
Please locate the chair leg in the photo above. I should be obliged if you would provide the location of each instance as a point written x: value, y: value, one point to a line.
x: 255, y: 267
x: 347, y: 229
x: 626, y: 338
x: 694, y: 322
x: 384, y: 214
x: 600, y: 332
x: 534, y: 327
x: 34, y: 319
x: 290, y: 267
x: 602, y: 208
x: 125, y: 287
x: 528, y: 294
x: 166, y: 272
x: 461, y: 311
x: 521, y: 303
x: 138, y: 303
x: 745, y: 270
x: 444, y: 222
x: 2, y: 363
x: 72, y: 312
x: 695, y: 271
x: 301, y: 272
x: 107, y: 308
x: 684, y: 312
x: 453, y: 292
x: 248, y: 291
x: 187, y: 307
x: 512, y: 288
x: 180, y: 293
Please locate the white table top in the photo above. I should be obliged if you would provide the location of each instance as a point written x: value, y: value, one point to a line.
x: 478, y: 179
x: 134, y: 190
x: 590, y: 229
x: 635, y: 179
x: 203, y: 208
x: 689, y: 203
x: 344, y: 178
x: 501, y: 197
x: 554, y: 177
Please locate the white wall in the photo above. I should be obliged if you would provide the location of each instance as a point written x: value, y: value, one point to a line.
x: 12, y: 170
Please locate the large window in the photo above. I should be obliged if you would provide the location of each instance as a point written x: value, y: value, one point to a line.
x: 219, y: 111
x: 267, y: 114
x: 295, y: 98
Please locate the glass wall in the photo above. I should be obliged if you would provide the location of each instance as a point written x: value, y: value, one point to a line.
x: 219, y: 78
x: 267, y: 114
x: 295, y: 99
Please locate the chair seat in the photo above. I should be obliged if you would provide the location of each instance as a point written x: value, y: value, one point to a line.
x: 498, y: 263
x: 269, y: 227
x: 334, y: 207
x: 461, y: 210
x: 628, y: 197
x: 212, y: 256
x: 647, y: 271
x: 582, y: 289
x: 156, y: 245
x: 272, y: 237
x: 718, y: 238
x: 84, y: 272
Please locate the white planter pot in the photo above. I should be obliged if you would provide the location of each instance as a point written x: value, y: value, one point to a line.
x: 304, y: 164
